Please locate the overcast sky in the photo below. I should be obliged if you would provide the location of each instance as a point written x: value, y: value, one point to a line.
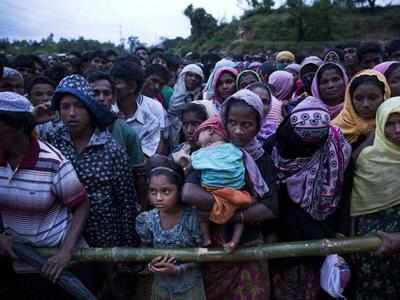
x: 103, y: 19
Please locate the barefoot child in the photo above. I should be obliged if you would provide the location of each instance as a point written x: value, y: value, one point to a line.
x: 170, y: 225
x: 222, y: 171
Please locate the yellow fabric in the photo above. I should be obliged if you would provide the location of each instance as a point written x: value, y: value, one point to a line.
x: 287, y: 55
x: 376, y: 183
x: 348, y: 121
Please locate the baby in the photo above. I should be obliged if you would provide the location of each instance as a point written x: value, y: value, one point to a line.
x: 223, y: 174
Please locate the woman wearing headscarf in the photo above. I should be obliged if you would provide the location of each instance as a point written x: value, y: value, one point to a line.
x: 209, y: 90
x: 272, y: 110
x: 329, y: 85
x: 282, y: 83
x: 375, y: 204
x: 366, y: 91
x: 391, y: 70
x: 224, y: 85
x: 187, y: 89
x: 101, y: 164
x: 311, y: 157
x: 241, y: 115
x: 247, y: 77
x: 283, y: 59
x: 334, y: 55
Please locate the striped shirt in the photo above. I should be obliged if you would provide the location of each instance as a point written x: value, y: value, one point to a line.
x: 36, y: 198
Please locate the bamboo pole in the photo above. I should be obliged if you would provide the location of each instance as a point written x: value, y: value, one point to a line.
x: 266, y: 251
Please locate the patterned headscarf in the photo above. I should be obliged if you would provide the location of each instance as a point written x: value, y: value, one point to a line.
x: 79, y: 87
x: 351, y: 124
x: 315, y: 182
x: 254, y: 150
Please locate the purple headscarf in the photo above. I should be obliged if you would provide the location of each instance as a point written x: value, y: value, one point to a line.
x: 217, y: 76
x: 254, y: 150
x: 315, y: 182
x: 384, y: 67
x: 333, y: 110
x: 283, y: 83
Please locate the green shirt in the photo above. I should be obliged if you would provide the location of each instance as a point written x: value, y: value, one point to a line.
x: 129, y: 140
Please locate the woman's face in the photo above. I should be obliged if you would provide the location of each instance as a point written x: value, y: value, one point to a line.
x: 394, y: 81
x: 190, y: 122
x: 247, y: 79
x: 163, y: 194
x: 192, y: 81
x: 226, y: 85
x: 392, y: 128
x: 241, y: 124
x: 265, y: 97
x: 366, y: 100
x: 332, y: 87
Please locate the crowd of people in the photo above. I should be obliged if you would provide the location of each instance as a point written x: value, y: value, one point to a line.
x: 216, y: 150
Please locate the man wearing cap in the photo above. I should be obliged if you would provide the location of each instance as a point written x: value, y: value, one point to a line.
x: 41, y: 198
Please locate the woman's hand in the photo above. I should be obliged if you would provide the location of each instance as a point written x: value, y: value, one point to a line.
x: 390, y: 243
x: 56, y: 264
x: 163, y: 264
x: 6, y: 246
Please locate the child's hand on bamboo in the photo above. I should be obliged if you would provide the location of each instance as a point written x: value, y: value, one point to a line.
x: 163, y: 264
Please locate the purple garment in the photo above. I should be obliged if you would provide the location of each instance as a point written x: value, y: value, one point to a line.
x: 333, y: 110
x: 383, y: 67
x: 315, y: 182
x: 283, y: 84
x: 217, y: 99
x: 254, y: 150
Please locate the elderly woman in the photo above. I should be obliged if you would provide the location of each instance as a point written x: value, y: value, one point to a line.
x: 241, y: 115
x: 375, y: 205
x: 311, y: 157
x: 366, y: 91
x: 41, y: 199
x: 186, y: 90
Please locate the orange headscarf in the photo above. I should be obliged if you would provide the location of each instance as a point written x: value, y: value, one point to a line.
x: 350, y: 123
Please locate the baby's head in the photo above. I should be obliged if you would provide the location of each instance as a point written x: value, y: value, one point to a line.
x: 210, y: 132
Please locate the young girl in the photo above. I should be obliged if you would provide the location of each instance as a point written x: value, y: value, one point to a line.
x: 170, y: 225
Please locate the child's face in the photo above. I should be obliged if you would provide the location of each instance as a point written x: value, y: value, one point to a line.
x: 205, y: 138
x: 162, y: 193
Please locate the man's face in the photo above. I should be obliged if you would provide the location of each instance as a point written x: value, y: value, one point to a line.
x: 350, y: 56
x: 98, y: 63
x: 103, y: 92
x: 370, y: 60
x: 153, y: 85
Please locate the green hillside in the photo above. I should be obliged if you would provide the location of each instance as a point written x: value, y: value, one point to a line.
x: 320, y: 27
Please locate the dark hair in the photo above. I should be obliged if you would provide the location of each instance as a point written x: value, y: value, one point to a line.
x: 198, y: 109
x: 258, y: 84
x: 368, y: 48
x: 366, y: 79
x: 19, y: 120
x: 99, y: 75
x: 141, y: 48
x: 56, y: 72
x: 162, y: 165
x: 266, y: 69
x: 75, y: 53
x: 237, y: 101
x: 40, y: 80
x: 393, y: 46
x: 110, y: 52
x: 328, y: 66
x: 128, y: 58
x: 157, y: 69
x: 24, y: 61
x: 97, y: 53
x: 173, y: 61
x: 128, y: 71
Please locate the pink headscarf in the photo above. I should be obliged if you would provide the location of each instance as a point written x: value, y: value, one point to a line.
x: 383, y: 67
x: 333, y: 110
x: 218, y: 74
x: 283, y: 84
